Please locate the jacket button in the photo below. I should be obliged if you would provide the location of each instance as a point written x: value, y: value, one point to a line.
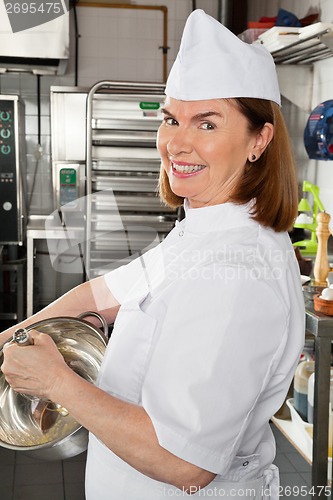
x: 181, y: 233
x: 245, y: 463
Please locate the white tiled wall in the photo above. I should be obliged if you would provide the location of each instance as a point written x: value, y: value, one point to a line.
x: 114, y: 44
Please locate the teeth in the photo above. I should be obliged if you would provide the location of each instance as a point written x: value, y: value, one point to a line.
x: 187, y: 169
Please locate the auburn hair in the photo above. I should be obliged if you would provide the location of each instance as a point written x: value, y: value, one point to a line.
x: 270, y: 181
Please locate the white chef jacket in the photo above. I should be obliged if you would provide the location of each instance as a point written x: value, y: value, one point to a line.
x: 207, y: 339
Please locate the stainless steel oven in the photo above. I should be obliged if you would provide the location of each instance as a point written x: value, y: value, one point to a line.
x: 12, y: 170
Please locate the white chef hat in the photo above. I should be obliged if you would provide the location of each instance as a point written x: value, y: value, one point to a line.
x: 214, y: 63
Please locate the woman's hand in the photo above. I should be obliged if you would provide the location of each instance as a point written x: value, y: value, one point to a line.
x: 126, y: 428
x: 34, y: 369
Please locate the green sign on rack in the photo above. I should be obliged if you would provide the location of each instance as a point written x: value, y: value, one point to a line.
x: 149, y: 105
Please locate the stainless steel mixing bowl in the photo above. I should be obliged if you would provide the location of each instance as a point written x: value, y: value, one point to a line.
x: 60, y: 436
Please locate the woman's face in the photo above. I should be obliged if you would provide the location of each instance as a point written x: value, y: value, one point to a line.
x: 204, y: 146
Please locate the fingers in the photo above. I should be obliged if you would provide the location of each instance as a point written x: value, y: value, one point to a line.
x: 21, y: 366
x: 4, y: 338
x: 34, y: 337
x: 7, y: 345
x: 33, y: 369
x: 40, y: 338
x: 15, y: 342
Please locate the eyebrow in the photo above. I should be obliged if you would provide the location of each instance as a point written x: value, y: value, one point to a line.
x: 199, y: 116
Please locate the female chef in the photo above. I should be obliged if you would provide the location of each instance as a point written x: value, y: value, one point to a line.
x: 209, y: 324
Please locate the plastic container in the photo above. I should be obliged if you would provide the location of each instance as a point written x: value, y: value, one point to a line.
x: 318, y: 133
x: 303, y: 372
x: 305, y: 430
x: 252, y: 34
x: 260, y: 25
x: 311, y: 382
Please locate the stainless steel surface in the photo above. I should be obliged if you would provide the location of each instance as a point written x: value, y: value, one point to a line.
x: 123, y: 124
x: 309, y: 291
x: 105, y: 222
x: 130, y: 202
x: 117, y: 247
x: 40, y: 49
x: 321, y: 326
x: 126, y: 164
x: 127, y: 137
x: 93, y: 314
x: 224, y: 12
x: 121, y: 161
x: 17, y: 314
x: 68, y: 124
x: 82, y: 346
x: 36, y: 231
x: 122, y: 153
x: 138, y: 184
x: 308, y: 50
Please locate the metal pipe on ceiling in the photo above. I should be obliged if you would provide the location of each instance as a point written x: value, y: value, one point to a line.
x: 223, y: 12
x: 161, y: 8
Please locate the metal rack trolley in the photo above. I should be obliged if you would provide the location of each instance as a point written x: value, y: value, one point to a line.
x: 122, y: 123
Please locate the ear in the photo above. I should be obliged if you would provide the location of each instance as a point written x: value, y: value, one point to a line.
x: 262, y: 139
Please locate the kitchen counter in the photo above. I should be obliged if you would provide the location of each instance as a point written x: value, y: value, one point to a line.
x: 45, y: 228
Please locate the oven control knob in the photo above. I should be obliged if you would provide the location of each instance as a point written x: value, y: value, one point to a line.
x: 4, y: 116
x: 5, y: 149
x: 7, y: 206
x: 5, y: 133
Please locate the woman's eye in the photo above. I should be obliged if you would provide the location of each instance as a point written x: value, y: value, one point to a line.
x: 207, y: 126
x: 170, y: 121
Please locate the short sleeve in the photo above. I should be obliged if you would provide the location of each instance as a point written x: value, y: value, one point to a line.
x: 217, y: 349
x: 135, y: 279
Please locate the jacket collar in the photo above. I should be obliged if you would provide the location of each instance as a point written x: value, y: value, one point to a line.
x: 217, y: 217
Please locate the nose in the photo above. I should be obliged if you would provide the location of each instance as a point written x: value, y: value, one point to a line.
x: 180, y: 142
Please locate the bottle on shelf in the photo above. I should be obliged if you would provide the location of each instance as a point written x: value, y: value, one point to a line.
x: 311, y: 382
x: 303, y: 372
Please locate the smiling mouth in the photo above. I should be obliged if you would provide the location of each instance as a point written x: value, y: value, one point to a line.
x: 187, y: 168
